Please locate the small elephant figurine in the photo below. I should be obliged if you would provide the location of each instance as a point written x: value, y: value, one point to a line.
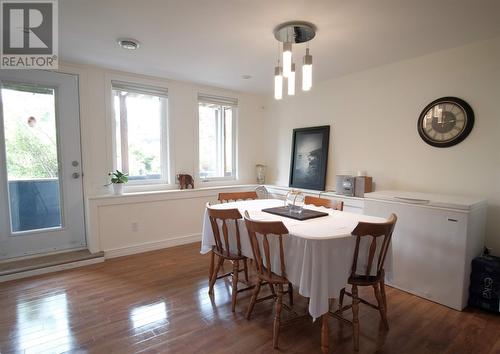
x: 185, y: 181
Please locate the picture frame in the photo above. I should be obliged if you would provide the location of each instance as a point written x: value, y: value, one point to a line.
x: 309, y: 157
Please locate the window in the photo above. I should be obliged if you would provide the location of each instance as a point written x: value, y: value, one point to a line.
x: 141, y: 146
x: 217, y: 137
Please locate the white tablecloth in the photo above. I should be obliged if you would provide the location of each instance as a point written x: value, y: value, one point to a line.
x: 318, y: 252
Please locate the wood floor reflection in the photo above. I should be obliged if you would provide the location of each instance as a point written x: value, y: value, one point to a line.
x: 157, y: 302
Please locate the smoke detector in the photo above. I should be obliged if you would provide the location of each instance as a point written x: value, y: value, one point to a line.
x: 128, y: 43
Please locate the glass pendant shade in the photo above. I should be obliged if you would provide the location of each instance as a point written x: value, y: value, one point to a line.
x: 307, y: 72
x: 291, y: 81
x: 278, y: 83
x: 287, y: 59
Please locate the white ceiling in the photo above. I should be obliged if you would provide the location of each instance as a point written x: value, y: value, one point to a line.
x: 217, y: 41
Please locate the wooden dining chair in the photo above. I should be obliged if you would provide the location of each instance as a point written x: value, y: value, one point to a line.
x: 364, y: 277
x: 260, y: 233
x: 323, y: 202
x: 219, y: 219
x: 227, y: 197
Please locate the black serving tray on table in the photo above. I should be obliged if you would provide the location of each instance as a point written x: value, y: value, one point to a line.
x: 306, y: 214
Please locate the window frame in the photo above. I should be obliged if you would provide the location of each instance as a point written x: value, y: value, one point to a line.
x: 222, y: 102
x: 167, y: 180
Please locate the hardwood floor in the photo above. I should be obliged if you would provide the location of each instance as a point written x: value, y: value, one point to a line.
x: 158, y: 302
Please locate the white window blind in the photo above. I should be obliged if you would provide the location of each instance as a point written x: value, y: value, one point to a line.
x: 224, y: 101
x: 139, y: 89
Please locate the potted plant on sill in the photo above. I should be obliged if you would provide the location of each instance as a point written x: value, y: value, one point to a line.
x: 118, y: 179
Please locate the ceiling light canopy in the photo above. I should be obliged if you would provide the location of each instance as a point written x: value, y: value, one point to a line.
x: 295, y: 32
x: 289, y: 33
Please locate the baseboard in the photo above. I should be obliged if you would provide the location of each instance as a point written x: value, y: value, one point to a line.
x: 151, y: 246
x: 51, y: 269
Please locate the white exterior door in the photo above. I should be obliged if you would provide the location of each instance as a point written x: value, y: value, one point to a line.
x: 41, y: 196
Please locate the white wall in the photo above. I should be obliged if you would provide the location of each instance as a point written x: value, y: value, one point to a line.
x: 373, y: 116
x: 165, y: 218
x: 182, y: 114
x: 132, y: 223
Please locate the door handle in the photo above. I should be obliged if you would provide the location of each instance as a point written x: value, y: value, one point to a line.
x: 75, y: 175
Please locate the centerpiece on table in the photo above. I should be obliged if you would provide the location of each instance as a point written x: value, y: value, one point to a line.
x: 295, y: 201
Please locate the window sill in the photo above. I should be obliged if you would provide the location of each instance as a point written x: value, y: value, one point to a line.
x: 134, y: 197
x: 214, y: 182
x: 147, y: 187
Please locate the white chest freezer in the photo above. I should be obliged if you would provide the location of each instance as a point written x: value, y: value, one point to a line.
x: 435, y: 239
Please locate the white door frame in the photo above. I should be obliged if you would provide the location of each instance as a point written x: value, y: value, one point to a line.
x: 72, y: 234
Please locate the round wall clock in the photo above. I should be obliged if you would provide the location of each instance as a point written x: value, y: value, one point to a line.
x: 445, y: 122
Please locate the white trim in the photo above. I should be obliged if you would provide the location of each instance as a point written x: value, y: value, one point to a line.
x: 151, y: 246
x: 152, y: 196
x: 82, y: 74
x: 52, y: 269
x: 67, y: 84
x: 168, y: 180
x: 220, y: 142
x: 218, y: 179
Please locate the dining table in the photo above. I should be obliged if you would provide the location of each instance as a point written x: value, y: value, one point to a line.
x: 318, y: 252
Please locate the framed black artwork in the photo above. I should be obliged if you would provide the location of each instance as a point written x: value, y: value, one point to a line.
x: 309, y: 157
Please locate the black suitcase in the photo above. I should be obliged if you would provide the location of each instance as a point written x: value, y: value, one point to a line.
x: 484, y: 289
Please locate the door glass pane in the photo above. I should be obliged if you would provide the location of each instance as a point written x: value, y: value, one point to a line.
x: 32, y: 161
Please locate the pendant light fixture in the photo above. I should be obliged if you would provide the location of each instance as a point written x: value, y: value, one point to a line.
x: 287, y: 59
x: 307, y: 71
x: 278, y: 79
x: 291, y: 81
x: 293, y: 33
x: 278, y: 82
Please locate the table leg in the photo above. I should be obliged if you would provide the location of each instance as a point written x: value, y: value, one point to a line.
x: 324, y: 334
